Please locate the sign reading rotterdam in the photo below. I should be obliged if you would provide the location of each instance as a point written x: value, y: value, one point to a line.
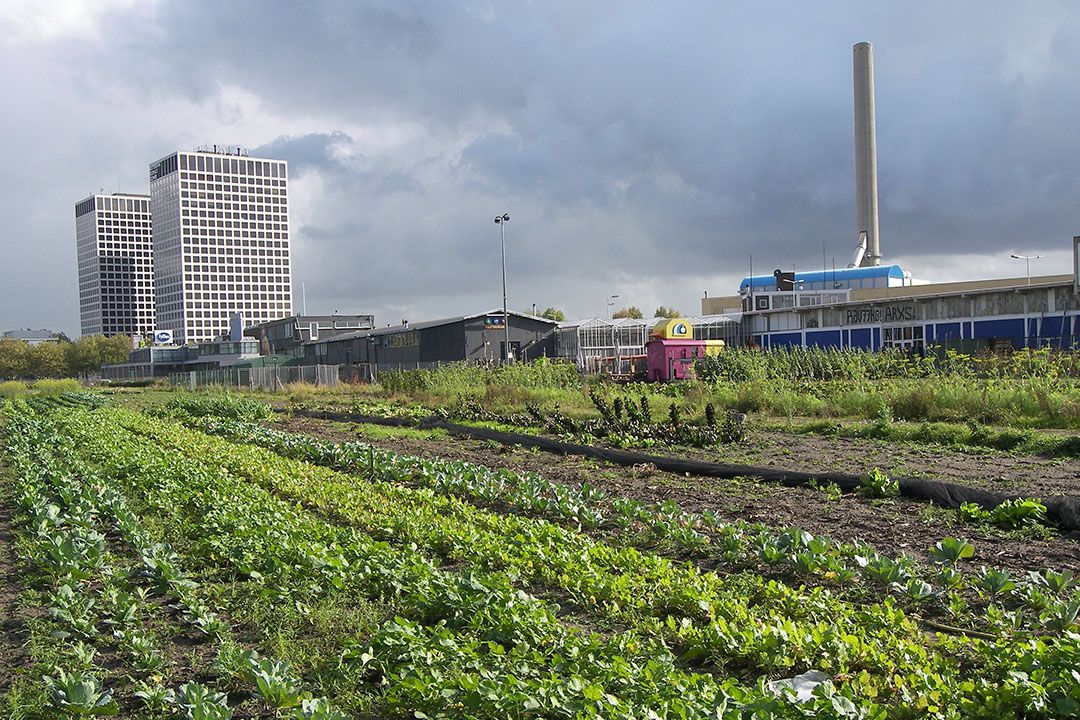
x: 880, y: 314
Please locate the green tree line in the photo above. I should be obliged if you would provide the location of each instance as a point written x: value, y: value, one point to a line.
x: 21, y: 360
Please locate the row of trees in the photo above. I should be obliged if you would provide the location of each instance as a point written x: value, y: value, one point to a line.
x: 19, y: 360
x: 628, y: 312
x: 634, y: 312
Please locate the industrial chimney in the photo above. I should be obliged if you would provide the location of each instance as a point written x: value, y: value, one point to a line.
x: 866, y: 199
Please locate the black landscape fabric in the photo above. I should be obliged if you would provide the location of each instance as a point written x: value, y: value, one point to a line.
x: 1063, y: 512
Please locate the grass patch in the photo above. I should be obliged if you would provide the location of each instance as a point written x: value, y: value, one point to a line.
x: 386, y: 432
x: 966, y: 436
x: 12, y: 389
x: 501, y: 427
x: 301, y: 633
x: 56, y: 387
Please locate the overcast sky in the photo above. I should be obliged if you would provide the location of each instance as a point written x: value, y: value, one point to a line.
x: 642, y: 149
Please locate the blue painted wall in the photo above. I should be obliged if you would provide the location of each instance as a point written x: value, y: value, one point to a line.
x: 1051, y: 327
x: 1031, y: 331
x: 861, y: 338
x: 823, y: 338
x: 786, y: 339
x: 947, y: 331
x: 1000, y: 329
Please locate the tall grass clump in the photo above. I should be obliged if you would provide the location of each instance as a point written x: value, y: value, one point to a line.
x: 56, y: 387
x: 1028, y: 388
x: 12, y: 389
x: 466, y: 379
x: 810, y: 364
x: 823, y: 364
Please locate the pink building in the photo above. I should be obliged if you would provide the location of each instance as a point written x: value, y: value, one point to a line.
x: 671, y: 352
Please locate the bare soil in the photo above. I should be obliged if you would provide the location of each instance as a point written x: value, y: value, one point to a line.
x: 892, y: 526
x: 14, y: 658
x: 1028, y: 475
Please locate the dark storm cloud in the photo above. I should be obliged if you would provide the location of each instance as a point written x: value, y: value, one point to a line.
x: 639, y: 147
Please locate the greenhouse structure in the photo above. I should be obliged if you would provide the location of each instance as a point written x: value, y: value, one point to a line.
x: 617, y: 346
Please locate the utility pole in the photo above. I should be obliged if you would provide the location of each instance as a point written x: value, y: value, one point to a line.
x: 501, y: 221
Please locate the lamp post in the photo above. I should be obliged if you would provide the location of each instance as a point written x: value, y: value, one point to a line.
x: 1027, y: 261
x: 373, y: 359
x: 610, y: 304
x: 501, y: 221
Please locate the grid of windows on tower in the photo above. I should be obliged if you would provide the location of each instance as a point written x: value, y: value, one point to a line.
x: 115, y: 257
x: 230, y: 253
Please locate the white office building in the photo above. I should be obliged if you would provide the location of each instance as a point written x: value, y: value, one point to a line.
x: 221, y: 242
x: 116, y: 264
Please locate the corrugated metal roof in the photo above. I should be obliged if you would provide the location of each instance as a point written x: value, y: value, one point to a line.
x: 395, y: 329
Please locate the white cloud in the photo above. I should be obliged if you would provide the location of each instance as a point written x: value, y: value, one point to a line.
x: 33, y: 21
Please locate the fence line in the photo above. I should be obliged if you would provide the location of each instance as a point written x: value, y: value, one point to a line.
x: 274, y: 378
x: 260, y: 378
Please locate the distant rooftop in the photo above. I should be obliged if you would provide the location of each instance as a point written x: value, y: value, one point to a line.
x: 29, y: 334
x: 406, y: 327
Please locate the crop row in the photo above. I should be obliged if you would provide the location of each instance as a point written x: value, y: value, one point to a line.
x: 64, y: 509
x: 738, y: 545
x: 741, y: 622
x: 465, y: 638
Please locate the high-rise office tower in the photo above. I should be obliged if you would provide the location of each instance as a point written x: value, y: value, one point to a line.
x: 221, y: 241
x: 116, y: 264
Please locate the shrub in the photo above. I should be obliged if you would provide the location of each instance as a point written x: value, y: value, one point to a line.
x: 943, y: 433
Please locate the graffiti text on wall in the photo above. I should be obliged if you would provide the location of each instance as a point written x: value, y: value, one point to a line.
x: 880, y: 314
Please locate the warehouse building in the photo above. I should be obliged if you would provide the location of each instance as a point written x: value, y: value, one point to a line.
x: 478, y: 338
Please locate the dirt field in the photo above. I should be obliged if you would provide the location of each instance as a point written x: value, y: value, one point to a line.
x: 14, y: 657
x: 990, y: 470
x: 891, y: 526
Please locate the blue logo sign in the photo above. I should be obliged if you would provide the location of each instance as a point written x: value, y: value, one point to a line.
x: 680, y: 329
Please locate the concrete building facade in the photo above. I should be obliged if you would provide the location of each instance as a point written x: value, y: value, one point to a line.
x: 221, y: 242
x: 113, y: 236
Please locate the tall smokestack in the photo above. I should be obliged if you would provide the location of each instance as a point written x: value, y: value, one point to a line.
x: 866, y: 200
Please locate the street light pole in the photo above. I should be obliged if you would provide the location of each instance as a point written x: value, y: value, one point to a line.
x: 610, y: 304
x: 1027, y: 262
x: 501, y: 221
